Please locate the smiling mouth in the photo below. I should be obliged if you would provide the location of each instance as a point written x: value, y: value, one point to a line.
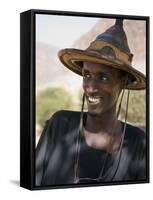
x: 94, y: 100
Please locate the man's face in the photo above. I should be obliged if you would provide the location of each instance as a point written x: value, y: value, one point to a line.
x: 102, y: 87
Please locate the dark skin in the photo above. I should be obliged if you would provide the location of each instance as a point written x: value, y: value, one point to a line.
x: 102, y: 86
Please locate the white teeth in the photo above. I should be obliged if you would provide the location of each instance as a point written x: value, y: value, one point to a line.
x: 94, y: 100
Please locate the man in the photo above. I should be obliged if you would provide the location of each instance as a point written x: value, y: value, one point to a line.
x: 95, y: 147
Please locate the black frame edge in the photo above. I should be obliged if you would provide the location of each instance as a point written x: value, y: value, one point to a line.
x: 25, y: 100
x: 88, y: 14
x: 148, y: 97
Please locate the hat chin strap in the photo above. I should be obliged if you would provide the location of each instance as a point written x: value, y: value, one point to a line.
x: 125, y: 123
x: 78, y: 141
x: 123, y: 135
x: 81, y: 115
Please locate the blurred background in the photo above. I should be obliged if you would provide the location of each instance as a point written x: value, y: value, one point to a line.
x: 57, y: 87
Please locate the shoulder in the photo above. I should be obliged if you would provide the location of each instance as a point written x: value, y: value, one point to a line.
x: 65, y: 114
x: 135, y: 130
x: 64, y: 117
x: 135, y: 134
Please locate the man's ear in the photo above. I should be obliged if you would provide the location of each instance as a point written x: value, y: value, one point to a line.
x: 127, y: 79
x: 131, y: 79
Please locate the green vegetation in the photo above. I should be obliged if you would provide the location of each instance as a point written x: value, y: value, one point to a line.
x: 49, y: 101
x: 137, y: 107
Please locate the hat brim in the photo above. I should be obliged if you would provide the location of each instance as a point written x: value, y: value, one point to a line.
x: 73, y: 59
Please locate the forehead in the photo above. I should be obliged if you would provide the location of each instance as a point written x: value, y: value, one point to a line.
x: 99, y: 68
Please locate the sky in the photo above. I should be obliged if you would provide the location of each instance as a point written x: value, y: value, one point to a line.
x: 62, y: 31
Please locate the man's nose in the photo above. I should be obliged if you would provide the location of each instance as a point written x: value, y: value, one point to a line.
x: 92, y: 86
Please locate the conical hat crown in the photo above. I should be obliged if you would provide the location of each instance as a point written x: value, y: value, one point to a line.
x: 116, y: 36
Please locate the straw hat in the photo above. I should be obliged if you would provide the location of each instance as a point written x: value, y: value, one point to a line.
x: 109, y: 48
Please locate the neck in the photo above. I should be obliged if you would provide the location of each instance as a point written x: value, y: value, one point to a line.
x: 102, y: 123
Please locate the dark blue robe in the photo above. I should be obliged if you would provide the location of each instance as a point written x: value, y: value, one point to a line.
x: 56, y: 154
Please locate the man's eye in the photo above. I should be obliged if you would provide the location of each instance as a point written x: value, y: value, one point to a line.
x: 103, y: 78
x: 86, y: 76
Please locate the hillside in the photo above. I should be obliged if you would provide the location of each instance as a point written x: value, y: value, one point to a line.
x: 50, y: 72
